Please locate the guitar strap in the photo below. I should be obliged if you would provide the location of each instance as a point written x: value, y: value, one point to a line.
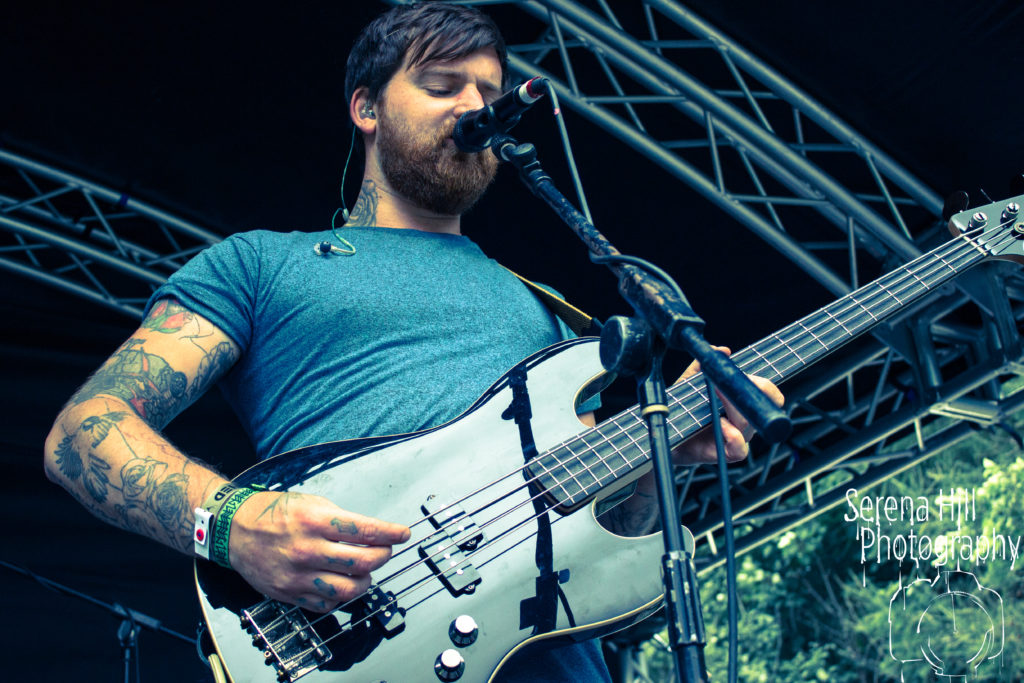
x: 540, y: 612
x: 576, y: 320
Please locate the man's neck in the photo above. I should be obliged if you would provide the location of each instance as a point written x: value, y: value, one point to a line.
x: 379, y: 205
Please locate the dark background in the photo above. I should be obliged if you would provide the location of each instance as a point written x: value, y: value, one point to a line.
x: 235, y: 119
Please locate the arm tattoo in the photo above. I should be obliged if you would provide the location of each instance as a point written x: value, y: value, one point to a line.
x: 143, y: 380
x: 213, y: 365
x: 168, y: 316
x: 147, y: 382
x: 147, y: 491
x: 365, y: 210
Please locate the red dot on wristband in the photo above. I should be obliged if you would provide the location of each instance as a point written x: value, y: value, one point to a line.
x: 200, y: 535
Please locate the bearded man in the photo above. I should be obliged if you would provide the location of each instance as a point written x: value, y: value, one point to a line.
x: 400, y: 328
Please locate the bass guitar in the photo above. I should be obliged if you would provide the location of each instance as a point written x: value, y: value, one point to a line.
x: 506, y: 549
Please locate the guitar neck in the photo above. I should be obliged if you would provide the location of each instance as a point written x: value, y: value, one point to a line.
x: 577, y: 469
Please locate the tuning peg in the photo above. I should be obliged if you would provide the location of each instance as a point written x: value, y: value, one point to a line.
x: 955, y: 203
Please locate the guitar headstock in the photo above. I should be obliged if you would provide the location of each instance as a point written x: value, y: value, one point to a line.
x: 997, y: 228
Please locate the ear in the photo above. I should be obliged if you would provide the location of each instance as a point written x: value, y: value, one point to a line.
x: 359, y: 111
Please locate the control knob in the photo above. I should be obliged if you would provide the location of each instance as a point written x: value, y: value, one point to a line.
x: 449, y: 665
x: 463, y: 630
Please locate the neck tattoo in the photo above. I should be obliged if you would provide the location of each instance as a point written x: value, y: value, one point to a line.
x: 365, y: 210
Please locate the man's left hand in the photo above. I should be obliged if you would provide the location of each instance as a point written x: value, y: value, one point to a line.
x: 736, y: 430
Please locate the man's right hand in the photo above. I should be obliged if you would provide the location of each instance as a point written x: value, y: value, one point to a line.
x: 305, y: 550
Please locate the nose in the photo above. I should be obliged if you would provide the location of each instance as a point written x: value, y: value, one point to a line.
x: 468, y: 100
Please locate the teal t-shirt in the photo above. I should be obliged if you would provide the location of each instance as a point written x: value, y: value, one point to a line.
x: 405, y: 334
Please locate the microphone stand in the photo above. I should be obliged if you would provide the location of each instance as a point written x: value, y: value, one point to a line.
x: 636, y: 346
x: 132, y: 621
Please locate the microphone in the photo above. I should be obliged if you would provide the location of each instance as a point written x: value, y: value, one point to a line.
x: 474, y: 129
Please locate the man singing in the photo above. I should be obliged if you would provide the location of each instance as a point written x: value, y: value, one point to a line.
x: 397, y: 324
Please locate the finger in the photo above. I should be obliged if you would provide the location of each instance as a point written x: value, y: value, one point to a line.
x: 314, y: 603
x: 324, y: 592
x: 735, y: 420
x: 354, y: 528
x: 352, y: 560
x: 694, y: 367
x: 769, y: 389
x: 736, y: 442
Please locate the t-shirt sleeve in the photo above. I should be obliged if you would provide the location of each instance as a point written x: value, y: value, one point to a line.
x: 220, y: 284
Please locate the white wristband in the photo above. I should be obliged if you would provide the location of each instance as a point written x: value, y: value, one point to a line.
x: 201, y: 535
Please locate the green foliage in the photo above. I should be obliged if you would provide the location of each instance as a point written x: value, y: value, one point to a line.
x: 811, y: 611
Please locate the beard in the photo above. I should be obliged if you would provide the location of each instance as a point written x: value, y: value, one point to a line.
x: 427, y: 171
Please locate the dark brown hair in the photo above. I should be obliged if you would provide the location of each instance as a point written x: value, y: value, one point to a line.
x: 424, y: 32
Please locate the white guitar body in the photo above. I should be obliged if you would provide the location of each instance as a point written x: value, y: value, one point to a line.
x: 591, y: 582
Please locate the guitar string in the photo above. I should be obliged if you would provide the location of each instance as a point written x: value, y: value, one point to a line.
x: 767, y: 360
x: 613, y: 474
x: 766, y: 357
x: 570, y: 497
x: 628, y: 463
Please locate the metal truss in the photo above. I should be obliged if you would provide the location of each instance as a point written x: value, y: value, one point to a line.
x: 680, y: 92
x: 708, y: 112
x: 87, y: 240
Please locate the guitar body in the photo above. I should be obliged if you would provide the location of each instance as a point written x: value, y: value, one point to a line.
x: 540, y: 575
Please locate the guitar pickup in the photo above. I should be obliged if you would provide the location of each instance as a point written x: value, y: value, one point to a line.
x: 453, y: 521
x: 445, y: 551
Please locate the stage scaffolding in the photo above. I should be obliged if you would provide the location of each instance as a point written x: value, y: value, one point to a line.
x: 718, y: 119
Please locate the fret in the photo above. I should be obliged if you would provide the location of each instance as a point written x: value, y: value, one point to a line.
x: 838, y: 322
x: 612, y: 473
x: 596, y: 479
x: 593, y: 452
x: 634, y: 443
x: 946, y: 263
x: 882, y: 286
x: 811, y: 332
x: 689, y: 413
x: 623, y: 444
x: 786, y: 344
x: 573, y: 472
x: 768, y: 362
x: 678, y: 434
x: 916, y: 277
x: 555, y: 482
x: 865, y: 308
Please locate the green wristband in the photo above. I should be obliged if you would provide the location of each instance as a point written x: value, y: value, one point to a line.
x: 222, y: 524
x: 217, y: 512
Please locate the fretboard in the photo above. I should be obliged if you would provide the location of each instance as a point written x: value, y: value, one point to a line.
x: 577, y: 469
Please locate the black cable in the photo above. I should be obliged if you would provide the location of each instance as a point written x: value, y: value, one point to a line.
x: 730, y: 547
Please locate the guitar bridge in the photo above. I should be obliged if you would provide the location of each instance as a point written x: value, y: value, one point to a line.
x: 445, y: 551
x: 287, y: 639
